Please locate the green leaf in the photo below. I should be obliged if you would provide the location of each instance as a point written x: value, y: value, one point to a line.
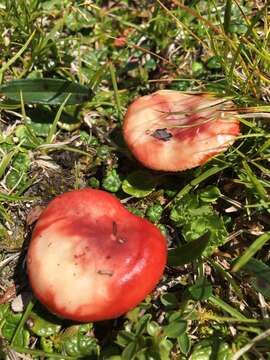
x: 201, y: 290
x: 22, y: 339
x: 21, y: 161
x: 77, y: 341
x: 52, y: 129
x: 165, y: 347
x: 148, y: 354
x: 214, y: 63
x: 130, y: 351
x: 169, y: 300
x: 24, y: 134
x: 4, y: 308
x: 70, y: 346
x: 42, y: 327
x: 175, y: 328
x: 20, y: 326
x: 210, y: 193
x: 154, y: 213
x: 10, y: 323
x: 184, y: 343
x: 257, y: 185
x: 17, y: 176
x: 6, y: 65
x: 87, y: 345
x: 227, y: 16
x: 188, y: 252
x: 5, y: 215
x: 140, y: 183
x: 142, y: 324
x: 209, y: 349
x: 195, y: 182
x: 111, y: 182
x: 216, y: 301
x: 13, y: 318
x: 46, y: 345
x: 124, y: 338
x: 153, y: 328
x: 46, y: 91
x: 40, y: 354
x: 6, y: 160
x: 261, y: 280
x: 40, y: 119
x: 251, y: 251
x: 195, y: 218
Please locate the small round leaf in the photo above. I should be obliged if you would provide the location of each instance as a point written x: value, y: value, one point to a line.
x: 175, y: 328
x: 201, y: 290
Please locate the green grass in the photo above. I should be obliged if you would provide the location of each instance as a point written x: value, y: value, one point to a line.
x: 216, y: 306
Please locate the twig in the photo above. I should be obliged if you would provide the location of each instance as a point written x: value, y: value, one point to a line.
x: 263, y: 306
x: 8, y: 259
x: 247, y: 347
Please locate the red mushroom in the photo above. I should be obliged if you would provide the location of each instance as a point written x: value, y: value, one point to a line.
x: 90, y: 259
x: 172, y: 131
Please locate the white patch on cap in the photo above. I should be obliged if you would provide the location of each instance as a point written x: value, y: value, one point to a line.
x: 62, y: 275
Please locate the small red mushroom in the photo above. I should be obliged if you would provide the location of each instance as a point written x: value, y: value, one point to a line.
x: 172, y: 131
x: 120, y: 41
x: 90, y: 259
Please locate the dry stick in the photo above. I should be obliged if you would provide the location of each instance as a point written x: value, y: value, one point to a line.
x: 247, y: 347
x: 263, y: 306
x: 7, y: 260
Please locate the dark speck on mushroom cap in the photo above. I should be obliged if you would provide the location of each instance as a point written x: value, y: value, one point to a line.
x: 162, y: 134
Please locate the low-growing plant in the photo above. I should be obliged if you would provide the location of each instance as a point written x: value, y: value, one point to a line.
x: 68, y: 74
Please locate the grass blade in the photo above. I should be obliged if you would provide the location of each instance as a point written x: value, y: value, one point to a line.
x: 257, y: 185
x: 30, y: 132
x: 226, y: 307
x: 52, y: 130
x: 256, y: 18
x: 115, y: 89
x: 188, y: 252
x: 5, y: 215
x: 227, y: 16
x: 23, y: 320
x: 261, y: 273
x: 251, y: 251
x: 12, y: 198
x: 16, y: 56
x: 240, y: 353
x: 186, y: 189
x: 6, y: 161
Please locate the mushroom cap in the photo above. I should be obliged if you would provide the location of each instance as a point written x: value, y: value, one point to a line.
x: 90, y: 259
x: 162, y: 140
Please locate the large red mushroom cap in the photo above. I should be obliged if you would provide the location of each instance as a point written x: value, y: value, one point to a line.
x: 90, y: 259
x: 172, y: 131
